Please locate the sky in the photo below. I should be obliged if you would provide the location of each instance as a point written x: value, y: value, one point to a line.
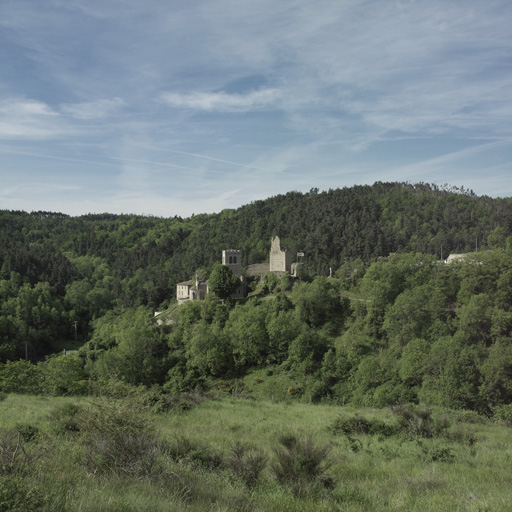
x: 167, y: 107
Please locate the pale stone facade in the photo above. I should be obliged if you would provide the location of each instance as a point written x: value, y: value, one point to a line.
x: 257, y: 269
x: 232, y: 258
x: 280, y: 261
x: 191, y: 290
x: 455, y: 257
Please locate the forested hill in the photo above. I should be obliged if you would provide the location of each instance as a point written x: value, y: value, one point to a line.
x: 144, y: 257
x: 58, y: 273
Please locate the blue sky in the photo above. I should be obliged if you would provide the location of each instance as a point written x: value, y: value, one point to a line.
x: 172, y: 108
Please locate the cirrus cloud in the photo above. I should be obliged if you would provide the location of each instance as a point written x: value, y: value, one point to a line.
x: 223, y: 102
x: 94, y: 109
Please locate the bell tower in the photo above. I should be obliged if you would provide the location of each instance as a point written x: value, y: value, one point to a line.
x: 232, y: 258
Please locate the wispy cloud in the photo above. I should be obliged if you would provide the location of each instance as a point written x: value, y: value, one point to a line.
x: 29, y: 119
x: 93, y: 109
x: 164, y: 97
x: 223, y: 102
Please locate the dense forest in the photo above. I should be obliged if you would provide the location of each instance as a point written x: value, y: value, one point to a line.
x: 393, y: 324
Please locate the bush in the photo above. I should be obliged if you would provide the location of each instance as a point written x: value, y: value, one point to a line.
x: 463, y: 416
x: 118, y: 439
x: 360, y: 425
x: 503, y: 413
x: 66, y: 419
x: 28, y: 432
x: 302, y: 464
x: 247, y: 464
x: 193, y: 452
x: 183, y: 402
x: 16, y: 496
x: 20, y: 377
x: 419, y: 421
x: 15, y: 456
x: 436, y: 451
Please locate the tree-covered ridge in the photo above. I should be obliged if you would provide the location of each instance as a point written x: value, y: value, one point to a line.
x: 411, y: 328
x: 329, y: 227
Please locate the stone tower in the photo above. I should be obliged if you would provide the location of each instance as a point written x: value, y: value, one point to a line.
x: 280, y: 261
x: 232, y: 258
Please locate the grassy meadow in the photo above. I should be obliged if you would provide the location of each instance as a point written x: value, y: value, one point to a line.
x: 233, y: 454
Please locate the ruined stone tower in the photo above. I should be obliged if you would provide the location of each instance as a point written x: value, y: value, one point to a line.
x: 280, y: 261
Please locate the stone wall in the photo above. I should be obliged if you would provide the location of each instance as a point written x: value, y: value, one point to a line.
x: 258, y: 269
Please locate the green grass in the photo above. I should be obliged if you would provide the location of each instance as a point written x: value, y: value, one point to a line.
x: 466, y: 469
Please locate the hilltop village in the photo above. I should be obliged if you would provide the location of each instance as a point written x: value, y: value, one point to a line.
x: 279, y: 263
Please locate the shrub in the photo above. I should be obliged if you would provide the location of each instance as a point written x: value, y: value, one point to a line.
x: 461, y: 434
x: 193, y: 452
x: 419, y: 421
x: 16, y: 496
x: 28, y: 432
x: 15, y: 457
x: 66, y: 419
x: 118, y: 439
x: 436, y: 451
x: 301, y: 464
x: 503, y: 413
x: 359, y: 425
x: 247, y: 464
x: 183, y: 402
x: 464, y: 416
x: 20, y: 377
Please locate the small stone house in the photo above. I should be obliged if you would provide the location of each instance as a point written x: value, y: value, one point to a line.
x: 191, y: 290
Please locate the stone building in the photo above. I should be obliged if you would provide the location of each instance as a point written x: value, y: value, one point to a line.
x: 191, y: 290
x: 456, y: 257
x: 232, y: 258
x: 279, y: 263
x: 280, y: 260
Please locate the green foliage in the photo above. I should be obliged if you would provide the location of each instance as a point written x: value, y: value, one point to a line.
x: 20, y: 377
x: 503, y: 413
x: 200, y: 468
x: 66, y: 419
x: 247, y: 335
x: 393, y: 325
x: 318, y: 302
x: 360, y: 425
x: 64, y: 375
x: 414, y: 362
x: 117, y: 438
x: 247, y: 464
x: 17, y: 496
x: 418, y: 421
x: 193, y: 452
x: 207, y: 350
x: 223, y: 282
x: 135, y: 348
x: 302, y: 464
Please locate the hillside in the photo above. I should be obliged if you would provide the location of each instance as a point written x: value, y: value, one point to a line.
x: 147, y: 256
x: 386, y: 328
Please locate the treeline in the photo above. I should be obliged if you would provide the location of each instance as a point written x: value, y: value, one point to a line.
x: 59, y: 272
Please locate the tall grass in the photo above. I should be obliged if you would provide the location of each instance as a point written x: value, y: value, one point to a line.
x: 223, y: 455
